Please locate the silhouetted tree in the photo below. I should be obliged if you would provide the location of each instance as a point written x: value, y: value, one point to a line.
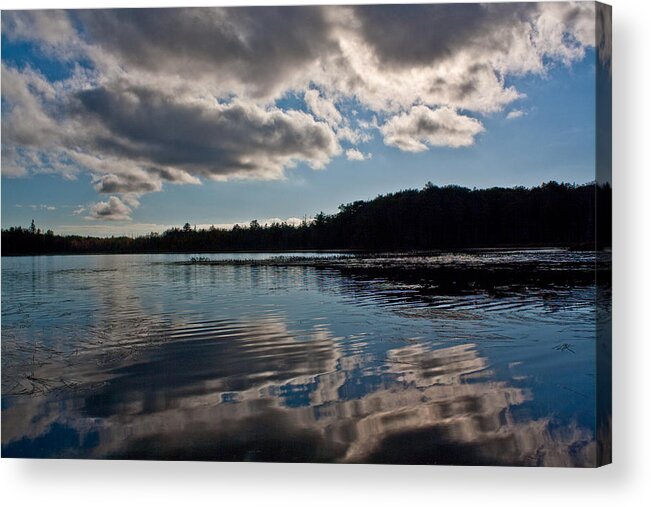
x: 553, y: 214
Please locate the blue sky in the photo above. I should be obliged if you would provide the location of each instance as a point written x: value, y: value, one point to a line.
x: 546, y: 132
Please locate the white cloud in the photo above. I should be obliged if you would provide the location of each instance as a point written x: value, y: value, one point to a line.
x: 423, y: 127
x: 103, y: 229
x: 515, y: 113
x: 354, y: 154
x: 322, y: 108
x: 113, y: 210
x: 353, y: 136
x: 52, y: 27
x: 25, y: 121
x: 42, y: 207
x: 107, y: 228
x: 294, y: 221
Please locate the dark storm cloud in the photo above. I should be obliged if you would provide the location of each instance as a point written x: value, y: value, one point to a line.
x: 113, y: 184
x: 215, y: 140
x: 420, y: 34
x: 260, y: 46
x: 408, y: 35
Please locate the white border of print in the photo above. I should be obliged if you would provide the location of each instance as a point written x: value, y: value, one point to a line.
x: 627, y: 481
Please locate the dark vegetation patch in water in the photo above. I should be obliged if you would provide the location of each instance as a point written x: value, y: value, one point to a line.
x: 451, y: 273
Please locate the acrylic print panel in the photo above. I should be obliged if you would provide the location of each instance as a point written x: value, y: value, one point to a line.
x: 343, y: 234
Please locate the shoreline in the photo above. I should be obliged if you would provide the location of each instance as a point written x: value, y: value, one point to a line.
x: 560, y: 247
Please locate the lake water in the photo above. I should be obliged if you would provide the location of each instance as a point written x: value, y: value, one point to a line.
x: 152, y: 357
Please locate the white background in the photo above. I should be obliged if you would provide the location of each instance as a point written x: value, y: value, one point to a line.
x: 626, y: 482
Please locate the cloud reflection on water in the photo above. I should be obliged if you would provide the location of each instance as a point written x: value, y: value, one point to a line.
x: 209, y: 375
x: 258, y: 392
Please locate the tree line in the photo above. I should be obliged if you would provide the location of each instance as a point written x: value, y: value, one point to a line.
x: 449, y: 217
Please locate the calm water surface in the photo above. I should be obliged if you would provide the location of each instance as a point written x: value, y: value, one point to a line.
x: 147, y: 356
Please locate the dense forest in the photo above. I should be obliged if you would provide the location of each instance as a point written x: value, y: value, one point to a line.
x: 450, y: 217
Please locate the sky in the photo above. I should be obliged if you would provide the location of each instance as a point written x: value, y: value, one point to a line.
x: 132, y: 121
